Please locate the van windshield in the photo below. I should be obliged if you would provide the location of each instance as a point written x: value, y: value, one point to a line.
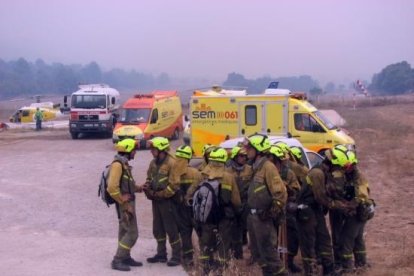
x: 89, y: 101
x: 134, y: 115
x: 325, y: 120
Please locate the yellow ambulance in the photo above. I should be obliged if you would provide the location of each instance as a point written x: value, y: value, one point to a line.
x: 215, y: 117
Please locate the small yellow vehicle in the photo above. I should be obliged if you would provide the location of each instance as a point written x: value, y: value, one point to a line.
x: 26, y: 114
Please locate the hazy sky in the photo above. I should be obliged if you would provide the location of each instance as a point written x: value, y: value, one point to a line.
x: 329, y: 40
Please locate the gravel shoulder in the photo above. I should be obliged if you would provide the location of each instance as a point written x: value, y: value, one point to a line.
x: 52, y: 221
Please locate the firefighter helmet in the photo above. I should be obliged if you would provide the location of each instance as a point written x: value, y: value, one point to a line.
x: 219, y: 155
x: 126, y: 145
x: 184, y: 151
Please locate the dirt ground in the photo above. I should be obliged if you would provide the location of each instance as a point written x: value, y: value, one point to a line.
x: 53, y: 223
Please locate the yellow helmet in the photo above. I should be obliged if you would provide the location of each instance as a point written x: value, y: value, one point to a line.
x: 160, y: 143
x: 219, y: 155
x: 278, y: 152
x: 340, y: 155
x: 350, y: 153
x: 296, y: 151
x: 184, y: 151
x: 283, y: 146
x: 259, y: 141
x: 126, y: 145
x: 237, y: 150
x: 352, y: 157
x: 205, y: 148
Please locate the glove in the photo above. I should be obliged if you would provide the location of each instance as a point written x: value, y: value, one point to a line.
x: 150, y: 194
x: 351, y: 208
x: 125, y: 198
x: 276, y: 210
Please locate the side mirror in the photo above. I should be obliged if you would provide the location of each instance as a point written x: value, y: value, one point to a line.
x: 186, y: 118
x: 65, y: 101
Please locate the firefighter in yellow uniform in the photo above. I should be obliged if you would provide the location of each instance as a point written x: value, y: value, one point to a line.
x: 186, y: 176
x: 314, y: 200
x: 267, y: 197
x: 219, y: 232
x: 298, y: 167
x: 280, y: 159
x: 160, y: 187
x: 238, y: 167
x: 207, y: 148
x: 121, y: 187
x: 348, y: 228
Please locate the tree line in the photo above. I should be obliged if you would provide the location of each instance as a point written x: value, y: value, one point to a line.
x: 394, y: 79
x: 22, y: 78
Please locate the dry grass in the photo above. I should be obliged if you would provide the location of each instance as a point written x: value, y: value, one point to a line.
x: 384, y: 135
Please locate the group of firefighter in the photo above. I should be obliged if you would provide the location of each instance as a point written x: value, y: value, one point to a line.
x: 268, y: 198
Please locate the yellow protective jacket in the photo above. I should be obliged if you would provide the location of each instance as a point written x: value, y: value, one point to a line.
x: 300, y: 171
x: 361, y: 186
x: 291, y: 182
x: 183, y: 178
x: 161, y: 179
x: 267, y: 186
x: 120, y: 181
x: 229, y: 192
x: 318, y: 182
x: 202, y: 165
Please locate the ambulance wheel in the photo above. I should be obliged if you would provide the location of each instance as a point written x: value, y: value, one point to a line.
x: 74, y: 135
x: 176, y: 134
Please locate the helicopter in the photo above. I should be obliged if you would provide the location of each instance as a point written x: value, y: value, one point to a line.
x: 25, y: 114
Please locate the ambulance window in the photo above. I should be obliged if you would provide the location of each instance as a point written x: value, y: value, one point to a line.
x: 299, y: 122
x: 25, y: 113
x: 305, y: 122
x: 250, y: 112
x: 154, y: 117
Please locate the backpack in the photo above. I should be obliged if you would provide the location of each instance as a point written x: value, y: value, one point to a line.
x: 103, y: 185
x: 206, y: 203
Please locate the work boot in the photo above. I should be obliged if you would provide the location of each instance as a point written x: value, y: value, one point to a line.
x: 173, y: 262
x: 119, y: 265
x: 292, y: 266
x: 157, y: 259
x: 328, y: 269
x: 347, y: 266
x: 131, y: 262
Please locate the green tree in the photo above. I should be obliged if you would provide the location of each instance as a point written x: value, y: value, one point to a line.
x: 394, y: 79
